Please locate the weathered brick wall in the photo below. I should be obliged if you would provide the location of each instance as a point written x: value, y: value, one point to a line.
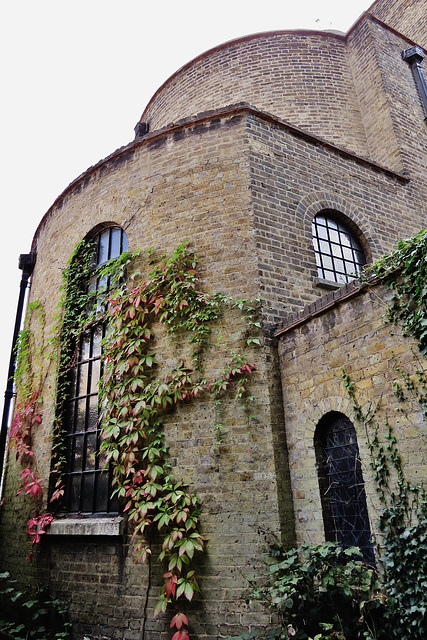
x: 244, y: 187
x: 353, y: 336
x: 406, y: 16
x: 292, y: 179
x: 389, y: 100
x: 188, y: 184
x: 193, y: 182
x: 302, y: 77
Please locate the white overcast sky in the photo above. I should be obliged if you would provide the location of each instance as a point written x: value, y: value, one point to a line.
x: 75, y: 78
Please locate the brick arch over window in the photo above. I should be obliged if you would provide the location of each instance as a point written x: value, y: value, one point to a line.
x: 87, y: 486
x: 342, y: 489
x: 345, y: 211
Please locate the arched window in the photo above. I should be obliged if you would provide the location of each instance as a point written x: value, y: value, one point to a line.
x: 87, y: 486
x: 341, y: 484
x: 339, y: 255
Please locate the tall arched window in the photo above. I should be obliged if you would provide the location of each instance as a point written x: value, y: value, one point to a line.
x: 341, y: 484
x: 339, y: 255
x: 87, y: 486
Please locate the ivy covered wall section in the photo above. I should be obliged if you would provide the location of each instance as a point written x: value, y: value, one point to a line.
x: 180, y: 413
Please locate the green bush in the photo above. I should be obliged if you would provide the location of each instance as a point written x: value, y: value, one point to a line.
x: 322, y: 592
x: 35, y: 616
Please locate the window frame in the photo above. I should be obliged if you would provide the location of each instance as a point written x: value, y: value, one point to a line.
x: 87, y: 485
x: 342, y: 490
x: 339, y: 254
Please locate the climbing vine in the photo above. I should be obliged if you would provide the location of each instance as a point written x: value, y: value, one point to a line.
x: 403, y: 519
x: 402, y: 523
x: 135, y: 398
x: 404, y: 272
x: 137, y: 392
x: 29, y: 378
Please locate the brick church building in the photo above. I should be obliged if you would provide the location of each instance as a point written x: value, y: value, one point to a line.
x: 288, y: 160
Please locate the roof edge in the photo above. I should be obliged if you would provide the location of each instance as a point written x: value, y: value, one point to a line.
x: 231, y: 110
x: 253, y: 36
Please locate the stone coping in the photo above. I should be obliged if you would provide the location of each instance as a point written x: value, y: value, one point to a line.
x: 86, y: 527
x: 321, y: 305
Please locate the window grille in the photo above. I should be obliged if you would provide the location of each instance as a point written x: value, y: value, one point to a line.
x: 339, y: 256
x: 341, y: 484
x: 87, y: 486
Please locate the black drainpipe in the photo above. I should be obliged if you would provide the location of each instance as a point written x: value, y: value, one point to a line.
x: 414, y: 56
x: 26, y: 263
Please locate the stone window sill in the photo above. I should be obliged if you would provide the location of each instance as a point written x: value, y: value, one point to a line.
x: 327, y: 284
x: 86, y: 527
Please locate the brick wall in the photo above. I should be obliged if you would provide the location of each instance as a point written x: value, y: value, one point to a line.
x: 292, y: 179
x: 302, y: 77
x: 188, y: 184
x: 406, y: 16
x: 352, y: 335
x: 243, y: 186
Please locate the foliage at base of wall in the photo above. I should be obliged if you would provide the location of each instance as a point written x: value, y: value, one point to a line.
x: 320, y: 592
x: 30, y: 616
x: 402, y: 523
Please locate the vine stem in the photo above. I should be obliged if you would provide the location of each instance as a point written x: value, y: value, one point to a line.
x: 147, y: 593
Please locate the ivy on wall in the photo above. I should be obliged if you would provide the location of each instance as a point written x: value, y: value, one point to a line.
x: 29, y: 379
x: 135, y: 398
x: 402, y: 523
x: 136, y: 395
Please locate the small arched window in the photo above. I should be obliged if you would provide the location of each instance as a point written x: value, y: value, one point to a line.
x: 339, y: 255
x: 87, y: 486
x: 342, y: 489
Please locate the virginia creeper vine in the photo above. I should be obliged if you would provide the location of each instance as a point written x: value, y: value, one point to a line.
x: 134, y: 400
x: 29, y: 377
x: 136, y: 393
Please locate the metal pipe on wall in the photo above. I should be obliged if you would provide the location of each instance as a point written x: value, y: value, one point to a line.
x: 26, y: 264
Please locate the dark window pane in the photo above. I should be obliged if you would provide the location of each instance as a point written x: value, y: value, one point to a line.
x: 71, y: 382
x: 96, y: 341
x: 77, y: 464
x: 87, y: 497
x: 125, y: 246
x: 103, y: 254
x: 341, y: 484
x: 85, y: 346
x: 69, y: 416
x: 95, y: 374
x: 90, y: 451
x: 115, y: 250
x: 92, y: 422
x: 74, y: 494
x: 81, y: 415
x: 83, y: 378
x: 68, y: 450
x: 102, y: 491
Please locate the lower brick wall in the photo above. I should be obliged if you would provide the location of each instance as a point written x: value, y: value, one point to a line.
x: 352, y: 335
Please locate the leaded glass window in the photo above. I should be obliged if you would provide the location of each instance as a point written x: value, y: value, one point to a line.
x: 341, y: 484
x: 339, y: 255
x: 87, y: 485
